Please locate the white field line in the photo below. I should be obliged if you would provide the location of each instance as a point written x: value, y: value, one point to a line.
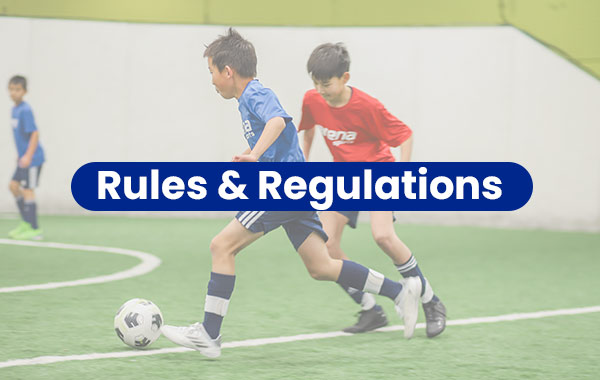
x: 294, y: 338
x: 148, y: 264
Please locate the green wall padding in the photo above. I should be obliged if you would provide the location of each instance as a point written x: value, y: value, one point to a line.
x: 265, y: 12
x: 570, y: 27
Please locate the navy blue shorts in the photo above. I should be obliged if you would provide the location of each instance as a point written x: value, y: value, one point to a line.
x: 29, y: 177
x: 297, y: 224
x: 353, y: 217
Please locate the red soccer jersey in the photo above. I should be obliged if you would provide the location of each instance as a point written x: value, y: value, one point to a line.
x: 361, y: 131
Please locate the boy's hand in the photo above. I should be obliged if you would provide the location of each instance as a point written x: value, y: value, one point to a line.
x: 24, y: 161
x: 244, y: 158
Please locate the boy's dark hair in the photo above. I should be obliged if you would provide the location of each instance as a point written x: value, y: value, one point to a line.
x: 234, y: 51
x: 18, y: 79
x: 328, y: 61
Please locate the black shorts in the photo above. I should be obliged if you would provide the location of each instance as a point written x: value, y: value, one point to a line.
x: 29, y: 177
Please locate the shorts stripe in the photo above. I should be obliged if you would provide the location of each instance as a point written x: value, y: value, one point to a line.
x: 32, y: 174
x: 254, y: 219
x: 243, y: 216
x: 247, y: 216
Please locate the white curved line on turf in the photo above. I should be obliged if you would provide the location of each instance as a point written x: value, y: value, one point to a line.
x: 295, y: 338
x: 148, y: 264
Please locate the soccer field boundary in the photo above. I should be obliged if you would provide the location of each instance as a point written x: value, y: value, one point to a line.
x: 148, y: 264
x: 296, y: 338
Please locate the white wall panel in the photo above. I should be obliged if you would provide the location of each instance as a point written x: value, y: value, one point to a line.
x: 104, y: 91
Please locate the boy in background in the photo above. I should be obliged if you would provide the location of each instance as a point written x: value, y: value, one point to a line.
x: 271, y: 137
x: 357, y: 127
x: 30, y: 158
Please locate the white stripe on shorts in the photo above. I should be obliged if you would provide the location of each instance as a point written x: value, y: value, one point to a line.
x: 32, y: 173
x: 254, y: 219
x: 243, y: 216
x: 246, y: 218
x: 374, y: 282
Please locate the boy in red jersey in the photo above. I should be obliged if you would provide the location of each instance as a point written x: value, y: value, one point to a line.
x: 357, y: 127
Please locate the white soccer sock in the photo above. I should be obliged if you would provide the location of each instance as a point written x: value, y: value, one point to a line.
x: 368, y: 301
x: 428, y: 294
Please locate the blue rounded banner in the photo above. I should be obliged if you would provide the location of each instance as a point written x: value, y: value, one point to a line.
x: 348, y: 186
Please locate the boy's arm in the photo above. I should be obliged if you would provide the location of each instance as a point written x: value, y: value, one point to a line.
x: 247, y: 151
x: 270, y: 133
x: 25, y: 161
x: 406, y: 149
x: 307, y: 124
x: 392, y: 131
x: 309, y: 135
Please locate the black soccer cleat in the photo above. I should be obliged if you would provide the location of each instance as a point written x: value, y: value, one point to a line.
x: 435, y: 317
x: 368, y: 320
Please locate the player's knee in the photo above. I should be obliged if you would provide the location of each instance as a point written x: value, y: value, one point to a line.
x: 13, y: 186
x: 219, y: 248
x: 383, y: 240
x: 318, y: 275
x: 321, y: 272
x: 334, y: 248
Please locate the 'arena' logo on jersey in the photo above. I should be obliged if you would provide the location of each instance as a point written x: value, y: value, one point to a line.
x: 247, y: 127
x: 338, y: 137
x: 14, y: 123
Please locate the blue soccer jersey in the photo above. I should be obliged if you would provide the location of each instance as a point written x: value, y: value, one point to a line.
x: 258, y: 105
x: 23, y: 124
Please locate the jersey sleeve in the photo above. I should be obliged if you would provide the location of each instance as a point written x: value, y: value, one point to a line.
x: 28, y: 121
x: 388, y: 128
x: 266, y: 106
x: 307, y: 121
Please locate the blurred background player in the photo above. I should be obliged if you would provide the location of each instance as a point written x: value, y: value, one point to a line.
x: 29, y: 161
x: 357, y: 127
x: 272, y: 137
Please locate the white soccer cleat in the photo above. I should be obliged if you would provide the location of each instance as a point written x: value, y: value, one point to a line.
x: 407, y: 304
x: 194, y: 337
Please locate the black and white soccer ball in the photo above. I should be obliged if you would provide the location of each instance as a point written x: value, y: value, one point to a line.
x: 138, y: 323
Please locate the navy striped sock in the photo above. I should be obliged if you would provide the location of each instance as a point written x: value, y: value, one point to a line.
x: 356, y: 276
x: 365, y: 300
x: 411, y: 269
x: 355, y: 294
x: 220, y: 288
x: 21, y: 205
x: 30, y: 213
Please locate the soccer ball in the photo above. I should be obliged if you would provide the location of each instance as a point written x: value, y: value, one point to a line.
x: 138, y: 323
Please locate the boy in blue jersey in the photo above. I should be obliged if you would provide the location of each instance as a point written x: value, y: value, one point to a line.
x: 29, y: 161
x: 272, y: 137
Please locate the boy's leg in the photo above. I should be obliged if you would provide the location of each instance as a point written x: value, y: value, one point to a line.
x: 385, y: 236
x: 30, y: 208
x: 382, y: 228
x: 204, y: 337
x: 32, y: 232
x: 228, y: 243
x: 17, y: 192
x: 348, y: 273
x: 27, y: 179
x: 372, y: 315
